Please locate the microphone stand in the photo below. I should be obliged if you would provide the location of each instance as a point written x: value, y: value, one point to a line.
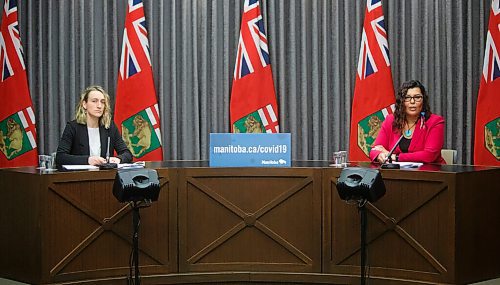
x: 108, y: 165
x: 391, y: 165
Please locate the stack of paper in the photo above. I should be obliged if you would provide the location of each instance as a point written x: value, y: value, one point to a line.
x: 138, y: 164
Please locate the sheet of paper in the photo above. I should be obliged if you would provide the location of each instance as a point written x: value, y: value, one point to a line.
x: 80, y: 167
x: 408, y: 164
x: 138, y: 164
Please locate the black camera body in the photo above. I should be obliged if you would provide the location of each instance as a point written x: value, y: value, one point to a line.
x: 133, y: 185
x: 356, y: 183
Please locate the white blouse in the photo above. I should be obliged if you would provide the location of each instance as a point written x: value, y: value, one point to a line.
x: 94, y: 141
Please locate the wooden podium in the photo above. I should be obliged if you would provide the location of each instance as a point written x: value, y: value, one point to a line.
x: 436, y: 224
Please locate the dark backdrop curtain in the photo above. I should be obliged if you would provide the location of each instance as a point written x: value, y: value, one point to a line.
x: 314, y: 46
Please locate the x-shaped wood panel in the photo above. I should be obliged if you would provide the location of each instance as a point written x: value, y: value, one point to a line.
x: 105, y: 224
x: 250, y: 220
x: 392, y: 224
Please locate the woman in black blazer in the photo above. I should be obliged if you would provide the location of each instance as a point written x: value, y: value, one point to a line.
x: 85, y: 139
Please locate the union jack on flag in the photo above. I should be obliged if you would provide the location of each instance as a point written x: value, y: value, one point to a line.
x: 10, y: 8
x: 6, y: 66
x: 367, y: 65
x: 491, y: 66
x: 129, y: 65
x: 252, y: 51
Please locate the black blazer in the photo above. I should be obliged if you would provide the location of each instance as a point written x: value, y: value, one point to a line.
x: 74, y: 144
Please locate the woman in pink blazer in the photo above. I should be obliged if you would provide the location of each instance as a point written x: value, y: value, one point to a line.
x: 422, y: 131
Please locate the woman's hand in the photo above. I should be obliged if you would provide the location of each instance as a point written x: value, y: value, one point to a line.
x: 114, y: 160
x: 96, y: 160
x: 382, y: 156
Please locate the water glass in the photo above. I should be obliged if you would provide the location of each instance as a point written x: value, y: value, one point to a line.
x: 340, y: 158
x: 50, y: 161
x: 46, y: 162
x: 42, y: 161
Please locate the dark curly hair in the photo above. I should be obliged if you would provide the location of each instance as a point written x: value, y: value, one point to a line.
x: 400, y: 113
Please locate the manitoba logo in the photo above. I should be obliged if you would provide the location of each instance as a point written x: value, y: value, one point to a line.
x: 17, y: 134
x: 369, y: 127
x: 263, y: 120
x: 492, y: 137
x: 141, y: 132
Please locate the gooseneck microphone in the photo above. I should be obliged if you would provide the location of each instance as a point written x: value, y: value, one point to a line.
x: 391, y: 165
x: 108, y: 165
x: 107, y: 151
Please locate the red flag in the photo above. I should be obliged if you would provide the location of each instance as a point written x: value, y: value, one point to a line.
x: 253, y: 107
x: 373, y: 92
x: 136, y: 108
x: 17, y: 119
x: 487, y: 132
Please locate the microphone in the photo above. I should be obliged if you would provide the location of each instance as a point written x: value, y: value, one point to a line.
x: 107, y: 152
x: 108, y: 165
x: 391, y: 165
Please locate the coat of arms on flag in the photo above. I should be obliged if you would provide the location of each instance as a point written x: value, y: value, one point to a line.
x: 369, y: 127
x: 17, y: 134
x: 136, y: 108
x: 492, y: 137
x: 254, y: 106
x: 141, y: 132
x: 487, y: 131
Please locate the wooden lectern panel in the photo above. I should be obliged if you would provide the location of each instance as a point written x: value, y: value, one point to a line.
x: 20, y: 222
x: 415, y: 232
x: 409, y: 230
x: 82, y: 231
x: 249, y: 220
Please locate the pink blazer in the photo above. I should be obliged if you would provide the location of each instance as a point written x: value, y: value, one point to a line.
x: 425, y: 145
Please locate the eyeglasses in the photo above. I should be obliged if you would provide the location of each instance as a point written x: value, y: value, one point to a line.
x: 416, y: 98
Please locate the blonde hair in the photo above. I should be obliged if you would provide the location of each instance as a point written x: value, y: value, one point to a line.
x: 81, y: 113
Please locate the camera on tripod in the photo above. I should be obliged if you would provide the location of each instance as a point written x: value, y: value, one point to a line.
x: 135, y: 185
x: 361, y: 184
x: 139, y: 187
x: 356, y: 183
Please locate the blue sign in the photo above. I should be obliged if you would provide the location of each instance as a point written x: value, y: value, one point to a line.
x: 250, y: 150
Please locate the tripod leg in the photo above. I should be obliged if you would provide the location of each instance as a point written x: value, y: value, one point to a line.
x: 135, y: 243
x: 362, y: 211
